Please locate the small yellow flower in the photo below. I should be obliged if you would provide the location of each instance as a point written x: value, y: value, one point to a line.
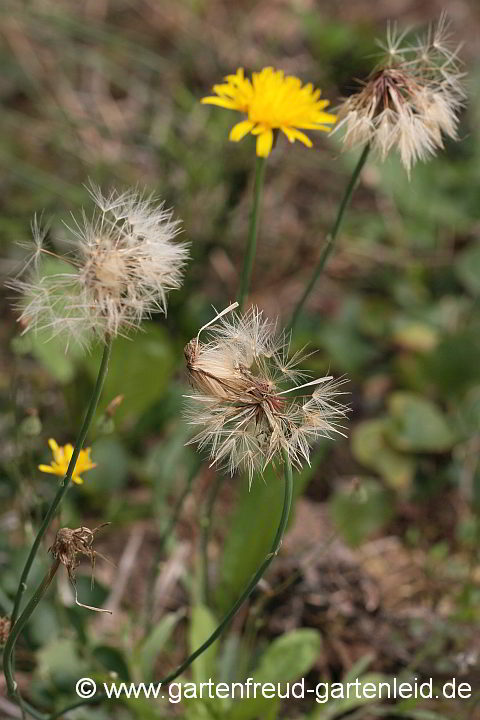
x: 271, y: 102
x: 61, y: 458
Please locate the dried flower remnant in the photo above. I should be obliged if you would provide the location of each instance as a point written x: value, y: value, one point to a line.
x: 4, y: 630
x: 272, y: 102
x: 244, y: 378
x: 61, y: 460
x: 123, y: 263
x: 68, y: 545
x: 411, y: 98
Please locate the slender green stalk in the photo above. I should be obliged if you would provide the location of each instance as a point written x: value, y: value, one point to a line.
x: 260, y: 166
x: 20, y: 624
x: 331, y: 237
x: 65, y: 482
x: 253, y: 582
x: 287, y: 502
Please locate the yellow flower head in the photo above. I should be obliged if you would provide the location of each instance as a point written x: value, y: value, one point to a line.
x: 61, y: 458
x: 271, y: 102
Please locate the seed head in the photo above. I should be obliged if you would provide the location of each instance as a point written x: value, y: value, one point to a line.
x: 410, y: 99
x: 243, y: 376
x: 122, y: 264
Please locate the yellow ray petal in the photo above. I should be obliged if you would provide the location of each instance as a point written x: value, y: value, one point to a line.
x: 264, y: 143
x: 241, y: 129
x: 294, y: 134
x: 47, y: 469
x: 221, y: 102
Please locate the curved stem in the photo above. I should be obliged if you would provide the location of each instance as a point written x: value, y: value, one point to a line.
x: 253, y: 582
x: 331, y: 237
x: 20, y: 624
x: 65, y: 482
x: 287, y: 502
x: 260, y: 166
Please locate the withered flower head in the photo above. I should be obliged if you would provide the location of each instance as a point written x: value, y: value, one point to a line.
x: 243, y: 376
x: 4, y: 630
x: 411, y: 98
x: 68, y: 545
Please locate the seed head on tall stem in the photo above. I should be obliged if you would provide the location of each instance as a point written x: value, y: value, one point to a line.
x: 121, y: 267
x: 410, y: 100
x: 244, y: 404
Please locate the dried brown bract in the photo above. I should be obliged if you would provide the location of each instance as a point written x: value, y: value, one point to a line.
x: 68, y: 545
x: 4, y: 630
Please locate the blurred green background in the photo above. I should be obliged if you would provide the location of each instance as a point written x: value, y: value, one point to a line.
x: 380, y: 572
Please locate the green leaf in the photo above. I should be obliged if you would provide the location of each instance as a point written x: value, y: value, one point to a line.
x: 371, y: 448
x: 140, y: 369
x: 155, y: 643
x: 202, y: 624
x: 359, y: 513
x: 286, y: 659
x: 60, y: 663
x: 417, y: 425
x: 454, y: 366
x: 50, y: 352
x: 289, y: 657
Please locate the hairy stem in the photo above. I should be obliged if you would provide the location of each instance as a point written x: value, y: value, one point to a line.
x: 260, y: 166
x: 331, y: 237
x: 287, y: 502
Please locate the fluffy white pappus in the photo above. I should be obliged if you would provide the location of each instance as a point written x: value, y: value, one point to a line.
x: 410, y: 100
x: 250, y: 402
x: 122, y: 263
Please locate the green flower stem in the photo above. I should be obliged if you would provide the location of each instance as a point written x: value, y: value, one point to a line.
x: 253, y: 582
x: 260, y: 166
x: 20, y: 624
x: 331, y: 237
x: 66, y: 481
x: 287, y: 502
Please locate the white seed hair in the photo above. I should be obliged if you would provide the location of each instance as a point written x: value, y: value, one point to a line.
x: 122, y: 264
x: 411, y: 98
x: 248, y: 403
